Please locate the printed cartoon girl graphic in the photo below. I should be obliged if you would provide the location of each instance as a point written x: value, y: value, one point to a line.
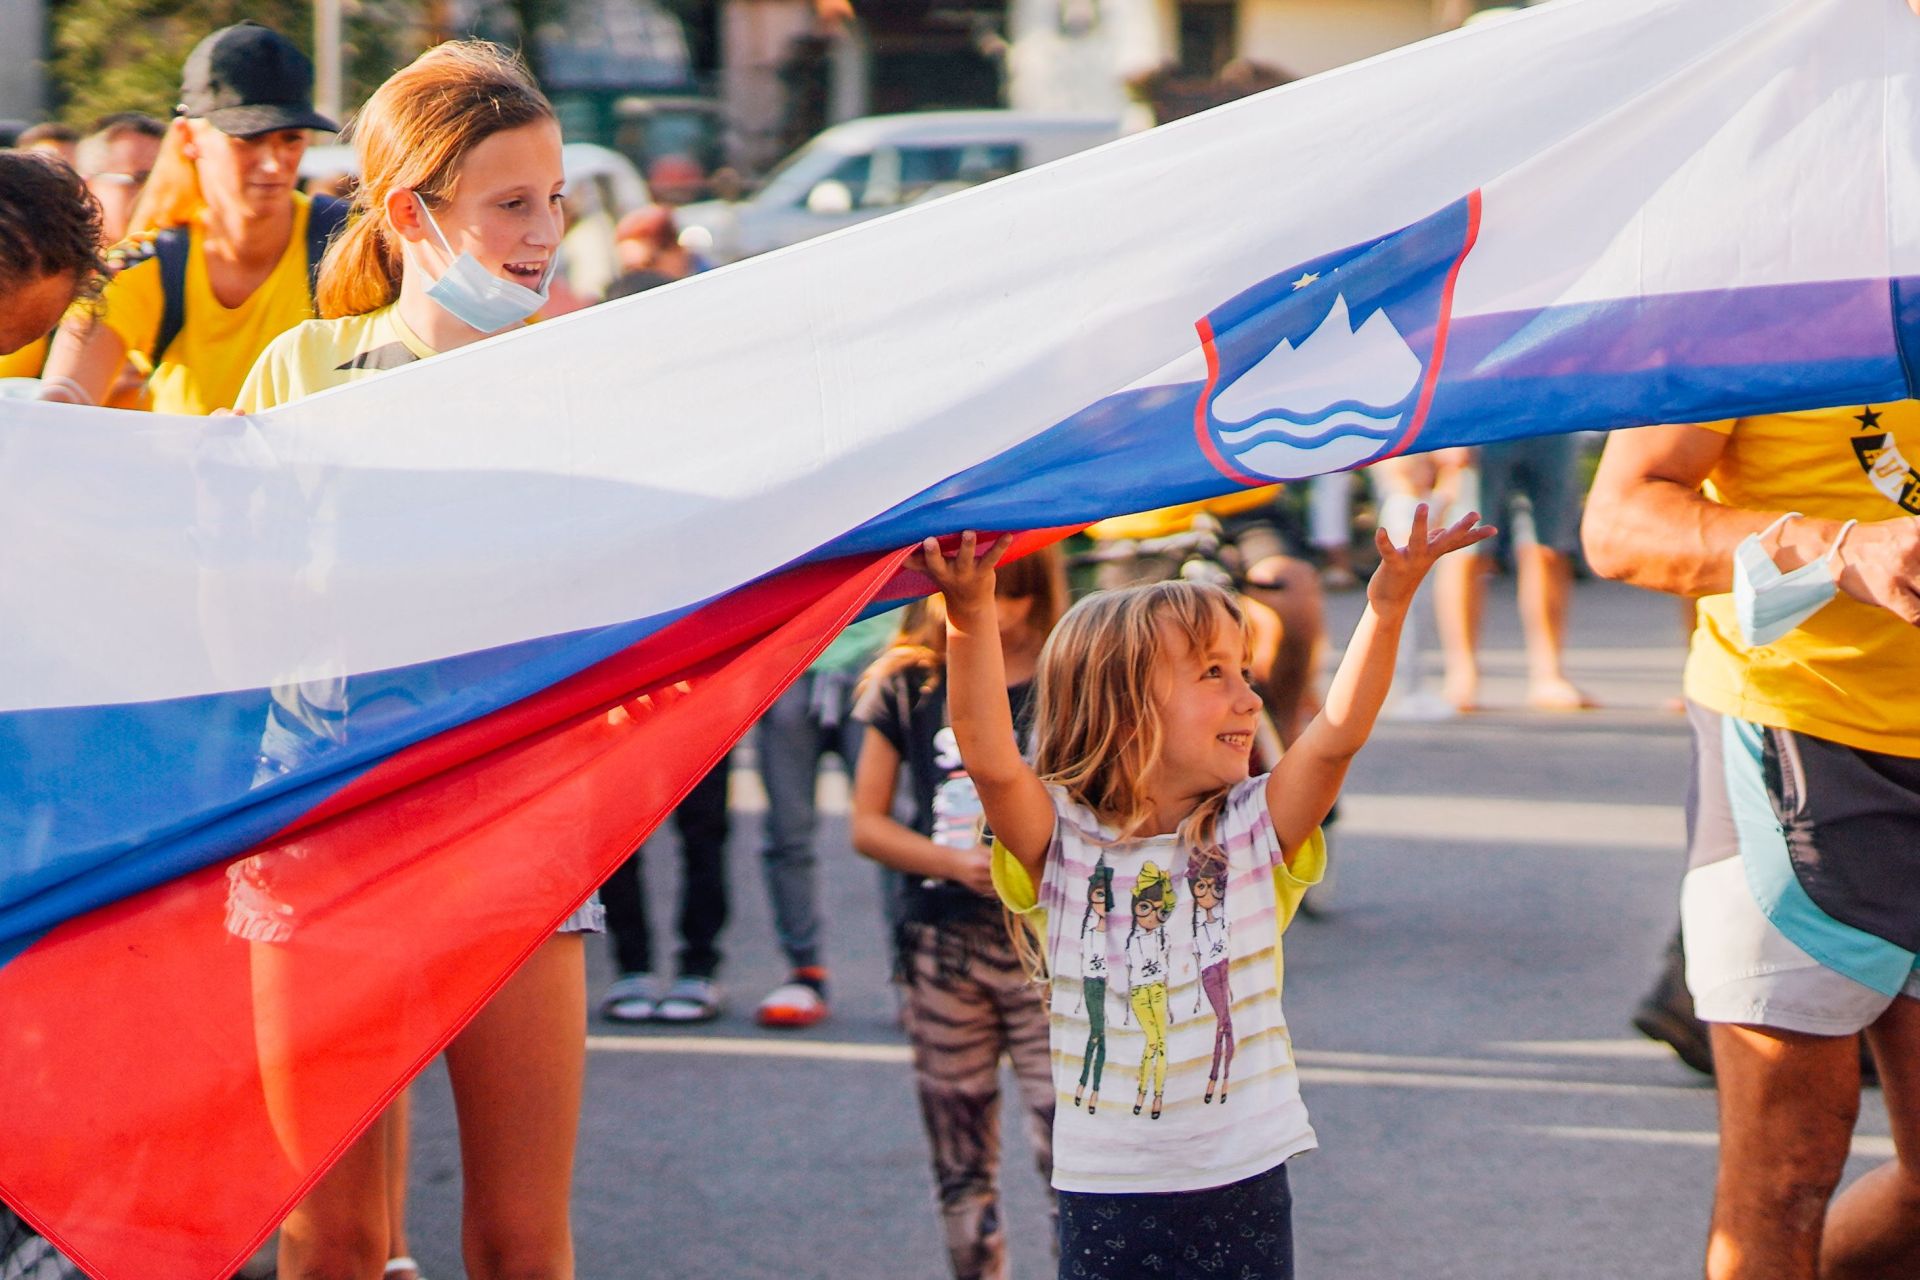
x: 1093, y: 982
x: 1147, y: 971
x: 1207, y: 886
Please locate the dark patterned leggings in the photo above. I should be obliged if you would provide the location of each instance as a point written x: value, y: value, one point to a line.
x: 969, y: 1004
x: 1242, y: 1231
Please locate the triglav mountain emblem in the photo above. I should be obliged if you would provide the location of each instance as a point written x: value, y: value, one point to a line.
x: 1335, y: 362
x: 1332, y: 402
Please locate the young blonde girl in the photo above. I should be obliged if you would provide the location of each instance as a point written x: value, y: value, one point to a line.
x: 452, y: 237
x: 967, y: 996
x: 1144, y: 723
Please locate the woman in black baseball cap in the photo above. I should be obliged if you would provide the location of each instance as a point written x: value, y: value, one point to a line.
x: 220, y: 258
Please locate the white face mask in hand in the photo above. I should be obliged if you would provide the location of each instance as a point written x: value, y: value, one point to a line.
x: 474, y: 295
x: 1768, y: 603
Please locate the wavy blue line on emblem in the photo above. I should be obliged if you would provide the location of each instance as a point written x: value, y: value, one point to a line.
x: 1281, y: 428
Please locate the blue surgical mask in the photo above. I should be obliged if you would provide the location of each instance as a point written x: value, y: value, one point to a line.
x: 1769, y: 603
x: 474, y: 295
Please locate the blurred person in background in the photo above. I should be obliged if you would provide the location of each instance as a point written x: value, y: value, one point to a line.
x: 225, y: 248
x: 648, y: 239
x: 49, y: 247
x: 116, y: 159
x: 53, y: 138
x: 1546, y: 471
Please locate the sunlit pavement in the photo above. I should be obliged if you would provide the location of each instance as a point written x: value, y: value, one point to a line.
x: 1505, y: 882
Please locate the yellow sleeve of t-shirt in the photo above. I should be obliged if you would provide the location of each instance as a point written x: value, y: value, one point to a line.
x: 27, y: 362
x: 133, y: 298
x: 268, y: 383
x: 1292, y: 880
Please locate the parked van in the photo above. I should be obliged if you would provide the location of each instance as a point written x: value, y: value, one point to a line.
x: 864, y: 168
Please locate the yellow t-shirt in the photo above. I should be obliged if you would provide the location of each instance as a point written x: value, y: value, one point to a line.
x: 203, y: 368
x: 319, y: 354
x: 1848, y: 674
x: 1166, y: 521
x: 27, y: 362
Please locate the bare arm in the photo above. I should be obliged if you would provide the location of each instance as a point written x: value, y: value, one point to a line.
x: 1303, y: 787
x: 1648, y: 523
x: 891, y: 844
x: 86, y: 353
x: 1017, y: 805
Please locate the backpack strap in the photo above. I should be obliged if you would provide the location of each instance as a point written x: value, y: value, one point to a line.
x: 171, y: 247
x: 325, y: 217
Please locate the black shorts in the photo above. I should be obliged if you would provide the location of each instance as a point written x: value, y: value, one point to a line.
x: 1242, y: 1229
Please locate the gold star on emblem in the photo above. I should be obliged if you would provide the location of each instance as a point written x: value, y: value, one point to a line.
x: 1306, y: 279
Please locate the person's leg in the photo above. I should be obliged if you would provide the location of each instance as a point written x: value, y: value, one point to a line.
x: 339, y: 1231
x: 1544, y: 569
x: 701, y: 820
x: 399, y: 1140
x: 1459, y: 600
x: 954, y: 1030
x: 625, y: 898
x: 517, y: 1073
x: 1460, y: 580
x: 1546, y: 586
x: 1025, y: 1032
x: 1873, y: 1228
x: 788, y: 739
x: 1788, y: 1102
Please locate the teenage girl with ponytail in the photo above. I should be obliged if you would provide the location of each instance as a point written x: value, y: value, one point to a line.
x: 451, y: 238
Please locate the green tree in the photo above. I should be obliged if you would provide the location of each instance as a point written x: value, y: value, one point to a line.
x: 126, y: 55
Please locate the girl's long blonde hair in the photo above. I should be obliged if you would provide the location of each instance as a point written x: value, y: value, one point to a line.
x: 412, y: 135
x: 1097, y: 728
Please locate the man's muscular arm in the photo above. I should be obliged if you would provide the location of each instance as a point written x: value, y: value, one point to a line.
x: 1647, y: 523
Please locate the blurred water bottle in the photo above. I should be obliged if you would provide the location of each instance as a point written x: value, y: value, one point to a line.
x: 958, y: 820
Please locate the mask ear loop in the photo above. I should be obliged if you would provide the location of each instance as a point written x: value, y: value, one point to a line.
x: 1839, y: 538
x: 1767, y: 532
x: 426, y: 214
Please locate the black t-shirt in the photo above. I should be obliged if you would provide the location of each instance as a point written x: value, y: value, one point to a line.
x: 913, y: 718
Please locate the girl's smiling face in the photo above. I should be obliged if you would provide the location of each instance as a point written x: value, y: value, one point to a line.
x: 504, y: 208
x: 1208, y: 709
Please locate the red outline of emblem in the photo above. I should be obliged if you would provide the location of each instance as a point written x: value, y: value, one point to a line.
x: 1204, y: 327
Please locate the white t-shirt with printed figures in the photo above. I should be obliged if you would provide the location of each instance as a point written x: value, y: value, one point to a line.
x: 1190, y: 1006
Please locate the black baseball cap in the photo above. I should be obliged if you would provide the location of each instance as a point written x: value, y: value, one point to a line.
x: 247, y: 80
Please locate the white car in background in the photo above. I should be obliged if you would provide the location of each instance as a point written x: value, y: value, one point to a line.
x: 864, y: 168
x: 602, y: 187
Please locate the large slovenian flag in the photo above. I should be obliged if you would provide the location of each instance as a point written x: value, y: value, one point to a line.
x: 314, y: 723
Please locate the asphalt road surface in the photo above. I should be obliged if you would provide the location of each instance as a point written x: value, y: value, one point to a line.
x: 1505, y: 882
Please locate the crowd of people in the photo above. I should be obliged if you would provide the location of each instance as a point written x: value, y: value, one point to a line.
x: 1040, y: 781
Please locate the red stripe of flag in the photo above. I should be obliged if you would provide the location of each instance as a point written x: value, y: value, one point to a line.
x: 161, y: 1119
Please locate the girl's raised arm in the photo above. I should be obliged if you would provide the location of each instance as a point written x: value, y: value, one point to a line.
x: 1303, y: 787
x: 1016, y: 802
